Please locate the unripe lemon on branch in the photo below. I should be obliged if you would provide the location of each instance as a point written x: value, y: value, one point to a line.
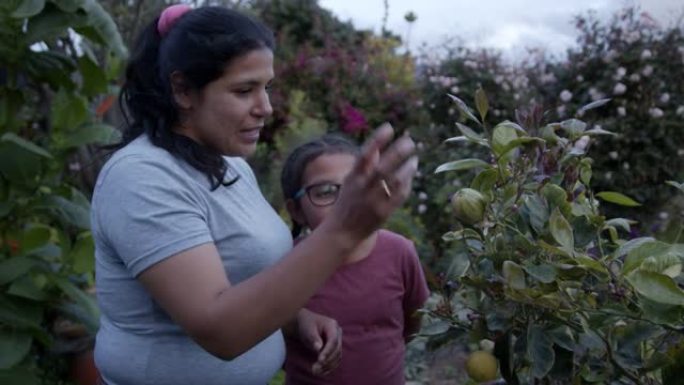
x: 482, y: 366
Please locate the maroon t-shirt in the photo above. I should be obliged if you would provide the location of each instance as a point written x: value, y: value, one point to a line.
x: 369, y: 300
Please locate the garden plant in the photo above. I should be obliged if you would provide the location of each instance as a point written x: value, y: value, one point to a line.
x: 556, y: 291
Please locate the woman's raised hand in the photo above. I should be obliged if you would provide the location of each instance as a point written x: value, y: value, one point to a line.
x: 379, y: 183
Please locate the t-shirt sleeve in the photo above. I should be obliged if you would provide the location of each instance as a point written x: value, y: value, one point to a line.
x: 146, y: 212
x: 416, y: 289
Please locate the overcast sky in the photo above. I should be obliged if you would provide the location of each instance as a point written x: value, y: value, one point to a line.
x: 510, y: 25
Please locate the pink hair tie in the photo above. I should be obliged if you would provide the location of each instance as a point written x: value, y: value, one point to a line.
x: 169, y: 17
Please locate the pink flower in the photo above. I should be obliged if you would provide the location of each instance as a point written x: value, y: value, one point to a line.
x: 353, y: 120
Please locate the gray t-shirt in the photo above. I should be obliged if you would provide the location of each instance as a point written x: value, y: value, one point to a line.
x: 147, y: 206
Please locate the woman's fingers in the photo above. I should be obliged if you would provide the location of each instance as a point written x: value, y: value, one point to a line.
x: 404, y: 175
x: 395, y: 157
x: 370, y: 153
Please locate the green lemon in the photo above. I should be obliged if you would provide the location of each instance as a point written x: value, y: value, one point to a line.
x: 481, y: 366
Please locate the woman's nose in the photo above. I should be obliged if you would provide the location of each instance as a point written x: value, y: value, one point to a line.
x: 263, y: 105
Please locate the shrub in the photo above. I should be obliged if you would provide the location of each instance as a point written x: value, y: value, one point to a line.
x: 556, y: 285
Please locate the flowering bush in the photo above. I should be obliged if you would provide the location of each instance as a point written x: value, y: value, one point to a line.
x: 353, y: 79
x: 542, y: 275
x: 640, y: 65
x: 631, y: 60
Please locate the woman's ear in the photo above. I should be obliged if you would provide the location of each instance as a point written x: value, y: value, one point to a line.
x: 180, y: 90
x: 295, y: 211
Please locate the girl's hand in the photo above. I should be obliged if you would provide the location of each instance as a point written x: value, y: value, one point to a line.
x: 323, y: 335
x: 364, y: 202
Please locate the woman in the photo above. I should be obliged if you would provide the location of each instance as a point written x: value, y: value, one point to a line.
x: 196, y: 273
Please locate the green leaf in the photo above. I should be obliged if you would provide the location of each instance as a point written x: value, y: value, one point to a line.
x: 585, y: 171
x: 537, y: 210
x: 26, y: 287
x: 18, y: 166
x: 514, y: 275
x: 83, y: 254
x: 575, y: 128
x: 460, y: 235
x: 471, y: 135
x: 543, y: 273
x: 679, y: 186
x: 28, y: 8
x: 664, y: 314
x: 656, y: 287
x: 667, y: 264
x: 91, y: 133
x: 617, y: 198
x: 507, y: 123
x: 460, y: 263
x: 460, y: 104
x: 21, y: 315
x: 563, y: 337
x: 72, y: 212
x: 51, y: 23
x: 561, y: 230
x: 592, y: 105
x: 11, y: 269
x: 655, y: 249
x: 68, y: 110
x: 70, y: 6
x: 435, y: 328
x: 591, y: 264
x: 10, y: 137
x: 548, y: 133
x: 625, y: 224
x: 556, y: 196
x: 481, y: 103
x: 515, y: 143
x: 463, y: 164
x: 630, y: 245
x: 554, y: 250
x: 94, y: 77
x: 599, y: 131
x: 14, y: 346
x: 540, y: 351
x: 34, y: 237
x: 104, y: 28
x: 86, y: 302
x: 503, y: 135
x: 484, y: 181
x: 457, y: 139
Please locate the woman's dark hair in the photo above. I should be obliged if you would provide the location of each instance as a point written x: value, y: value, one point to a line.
x: 200, y: 45
x: 300, y: 157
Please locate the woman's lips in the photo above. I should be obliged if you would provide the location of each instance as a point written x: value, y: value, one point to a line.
x: 250, y: 134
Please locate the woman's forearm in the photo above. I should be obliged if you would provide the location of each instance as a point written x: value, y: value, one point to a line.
x: 244, y: 314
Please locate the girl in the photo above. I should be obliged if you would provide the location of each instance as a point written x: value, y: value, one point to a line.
x: 374, y: 296
x: 196, y: 273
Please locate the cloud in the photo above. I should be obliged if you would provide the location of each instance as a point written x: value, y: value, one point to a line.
x: 509, y: 25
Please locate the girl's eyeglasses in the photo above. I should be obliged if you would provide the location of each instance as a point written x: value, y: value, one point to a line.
x: 320, y: 194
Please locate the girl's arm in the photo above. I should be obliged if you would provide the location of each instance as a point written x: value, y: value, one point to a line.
x: 322, y: 335
x: 412, y: 322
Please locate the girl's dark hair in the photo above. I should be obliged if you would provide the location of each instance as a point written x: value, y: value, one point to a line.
x: 200, y: 45
x: 300, y: 157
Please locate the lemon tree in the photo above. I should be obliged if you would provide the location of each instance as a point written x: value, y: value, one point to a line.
x: 562, y: 291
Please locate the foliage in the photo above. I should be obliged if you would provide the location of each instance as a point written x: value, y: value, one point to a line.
x: 58, y: 60
x: 630, y: 50
x: 461, y: 71
x: 557, y: 286
x: 353, y: 79
x: 640, y: 65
